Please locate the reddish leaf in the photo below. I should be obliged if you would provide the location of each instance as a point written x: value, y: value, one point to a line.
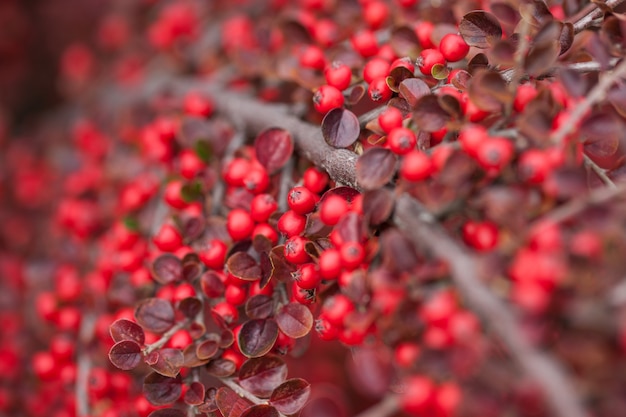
x: 259, y: 307
x: 161, y: 390
x: 404, y: 41
x: 125, y: 355
x: 355, y: 94
x: 429, y: 115
x: 617, y: 98
x: 273, y: 148
x: 398, y: 75
x: 489, y: 91
x: 375, y: 168
x: 191, y: 360
x: 208, y: 348
x: 267, y: 269
x: 190, y: 307
x: 261, y: 244
x: 230, y: 404
x: 261, y: 410
x: 281, y: 269
x: 152, y: 357
x: 167, y: 268
x: 257, y: 337
x: 244, y: 266
x: 347, y: 193
x: 295, y: 320
x: 542, y: 57
x: 480, y: 29
x: 195, y: 394
x: 124, y: 329
x: 169, y: 362
x: 536, y: 12
x: 192, y: 266
x: 378, y: 205
x: 168, y: 412
x: 261, y: 376
x: 602, y: 132
x: 350, y: 228
x: 155, y: 314
x: 291, y: 396
x: 566, y: 38
x: 340, y: 128
x: 212, y: 285
x: 371, y: 370
x: 398, y: 252
x: 412, y: 89
x: 221, y: 368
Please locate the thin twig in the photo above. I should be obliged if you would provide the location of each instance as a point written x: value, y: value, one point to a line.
x: 591, y: 14
x: 83, y: 364
x: 230, y: 383
x: 165, y: 337
x: 520, y: 59
x: 599, y: 172
x: 597, y: 94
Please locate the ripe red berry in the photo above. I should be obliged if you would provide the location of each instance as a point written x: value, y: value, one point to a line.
x: 168, y: 238
x: 453, y: 47
x: 390, y: 119
x: 332, y: 209
x: 352, y: 255
x: 378, y: 90
x: 401, y: 140
x: 523, y: 95
x: 534, y: 166
x: 235, y: 295
x: 198, y: 105
x: 295, y: 251
x: 315, y: 179
x: 416, y: 166
x: 327, y: 98
x: 338, y: 75
x: 226, y: 311
x: 266, y: 230
x: 312, y: 56
x: 262, y: 207
x: 239, y: 224
x: 336, y: 308
x: 326, y: 330
x: 471, y: 138
x: 307, y: 276
x: 406, y: 354
x: 447, y: 399
x: 365, y: 43
x: 303, y: 296
x: 214, y: 255
x: 190, y: 164
x: 375, y: 68
x: 418, y: 396
x: 482, y: 236
x: 301, y: 200
x: 424, y: 30
x: 236, y: 171
x: 256, y: 180
x: 428, y: 59
x: 494, y: 153
x: 173, y: 195
x: 291, y: 223
x: 329, y: 264
x: 375, y: 13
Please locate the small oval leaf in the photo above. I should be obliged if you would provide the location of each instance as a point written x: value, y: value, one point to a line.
x: 155, y: 314
x: 429, y: 115
x: 195, y: 394
x: 124, y: 329
x: 230, y: 404
x: 167, y: 268
x: 125, y: 355
x: 169, y: 362
x: 221, y: 368
x: 262, y: 375
x: 340, y: 128
x: 261, y: 410
x: 257, y: 337
x: 412, y: 89
x: 295, y: 320
x: 480, y: 29
x: 291, y: 396
x: 260, y: 306
x: 375, y: 168
x: 207, y: 349
x: 244, y: 266
x: 161, y: 390
x: 273, y: 148
x: 167, y: 412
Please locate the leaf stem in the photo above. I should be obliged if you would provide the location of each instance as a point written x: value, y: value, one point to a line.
x: 599, y: 172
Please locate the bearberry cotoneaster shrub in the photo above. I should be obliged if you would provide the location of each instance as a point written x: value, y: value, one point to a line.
x: 320, y: 208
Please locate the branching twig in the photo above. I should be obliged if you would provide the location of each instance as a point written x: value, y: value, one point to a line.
x: 230, y: 383
x: 599, y: 172
x: 165, y: 337
x: 595, y: 95
x: 591, y: 14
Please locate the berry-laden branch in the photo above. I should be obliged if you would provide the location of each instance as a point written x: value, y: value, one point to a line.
x: 425, y: 232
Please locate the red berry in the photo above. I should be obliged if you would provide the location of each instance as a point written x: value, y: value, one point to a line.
x: 291, y: 223
x: 190, y: 164
x: 375, y: 13
x: 482, y: 236
x: 329, y: 264
x: 198, y: 105
x: 523, y: 95
x: 338, y: 75
x: 326, y: 330
x: 315, y: 179
x: 428, y: 59
x: 378, y: 90
x: 418, y: 396
x: 236, y: 172
x: 239, y: 224
x: 390, y: 119
x: 266, y: 230
x: 256, y: 180
x: 352, y: 255
x: 303, y: 296
x: 168, y: 238
x: 453, y: 47
x: 327, y: 98
x: 301, y: 200
x: 312, y: 57
x: 173, y: 195
x: 471, y: 138
x: 375, y: 68
x: 214, y: 255
x: 226, y: 311
x: 336, y: 308
x: 416, y: 166
x: 534, y: 166
x: 424, y: 30
x: 235, y: 295
x: 262, y: 207
x: 401, y: 140
x: 332, y: 209
x: 365, y: 43
x: 494, y: 153
x: 406, y: 354
x: 295, y: 251
x: 307, y: 276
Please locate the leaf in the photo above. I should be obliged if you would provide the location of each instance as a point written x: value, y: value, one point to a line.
x: 212, y: 285
x: 412, y: 89
x: 167, y: 268
x: 536, y: 13
x: 221, y: 368
x: 351, y: 228
x: 195, y: 394
x: 291, y: 396
x: 398, y: 252
x: 347, y: 193
x: 261, y: 376
x: 566, y: 39
x: 124, y: 329
x: 355, y: 94
x: 489, y: 91
x: 273, y: 148
x: 480, y: 29
x: 208, y: 348
x: 161, y: 390
x: 397, y: 75
x: 155, y: 314
x: 340, y: 128
x: 168, y: 412
x: 230, y: 404
x: 244, y: 266
x: 375, y: 168
x: 125, y: 355
x: 261, y: 410
x: 371, y: 370
x: 378, y: 205
x: 295, y: 320
x: 429, y: 115
x: 192, y: 266
x: 190, y: 307
x: 257, y: 337
x: 617, y: 98
x: 541, y: 58
x: 260, y: 306
x: 404, y: 41
x: 169, y: 362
